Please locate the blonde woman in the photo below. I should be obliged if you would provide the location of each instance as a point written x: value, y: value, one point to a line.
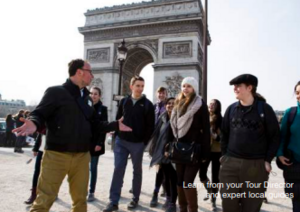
x: 190, y: 124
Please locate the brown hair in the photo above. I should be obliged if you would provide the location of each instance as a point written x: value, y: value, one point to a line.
x: 161, y: 89
x: 296, y: 86
x: 182, y: 102
x: 98, y: 89
x: 136, y: 78
x: 255, y: 94
x: 74, y: 65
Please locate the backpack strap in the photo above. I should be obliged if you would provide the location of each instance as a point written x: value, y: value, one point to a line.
x: 232, y: 109
x: 260, y: 110
x: 124, y: 103
x: 292, y: 116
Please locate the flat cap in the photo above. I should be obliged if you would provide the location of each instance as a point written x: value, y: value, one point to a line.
x: 245, y: 78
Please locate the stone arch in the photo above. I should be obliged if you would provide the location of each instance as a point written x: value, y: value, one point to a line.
x: 139, y: 55
x: 168, y: 33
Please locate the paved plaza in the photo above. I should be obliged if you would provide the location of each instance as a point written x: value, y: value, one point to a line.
x: 16, y: 178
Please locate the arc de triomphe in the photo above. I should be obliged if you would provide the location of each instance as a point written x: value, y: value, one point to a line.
x: 168, y: 33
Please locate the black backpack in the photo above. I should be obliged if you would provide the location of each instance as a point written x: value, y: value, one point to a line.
x: 286, y: 152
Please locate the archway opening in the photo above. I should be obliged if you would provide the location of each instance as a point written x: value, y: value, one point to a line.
x: 138, y: 60
x: 148, y: 74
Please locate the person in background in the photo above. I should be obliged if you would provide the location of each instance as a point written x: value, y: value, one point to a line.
x: 10, y: 125
x: 20, y: 139
x: 215, y: 118
x: 162, y: 136
x: 38, y: 151
x: 292, y: 131
x: 159, y: 107
x: 98, y: 142
x: 26, y: 114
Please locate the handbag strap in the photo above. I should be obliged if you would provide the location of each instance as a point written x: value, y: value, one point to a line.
x: 176, y: 128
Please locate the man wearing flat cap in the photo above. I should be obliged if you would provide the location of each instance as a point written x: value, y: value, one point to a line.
x: 249, y: 143
x: 245, y: 78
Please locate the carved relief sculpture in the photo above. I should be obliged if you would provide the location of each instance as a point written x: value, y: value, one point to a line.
x: 177, y: 49
x: 173, y: 84
x: 98, y: 55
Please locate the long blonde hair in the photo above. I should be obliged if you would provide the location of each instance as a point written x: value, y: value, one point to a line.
x: 182, y: 102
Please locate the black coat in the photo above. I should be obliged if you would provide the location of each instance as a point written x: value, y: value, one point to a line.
x: 99, y: 138
x: 161, y: 136
x: 199, y: 131
x: 69, y: 118
x: 10, y: 125
x: 140, y: 117
x: 19, y: 123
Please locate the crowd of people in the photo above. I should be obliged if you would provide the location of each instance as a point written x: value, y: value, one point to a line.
x: 184, y: 136
x: 10, y: 139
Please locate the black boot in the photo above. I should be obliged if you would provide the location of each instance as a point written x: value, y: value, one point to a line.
x: 171, y: 207
x: 154, y: 200
x: 167, y: 202
x: 213, y: 199
x: 32, y: 197
x: 208, y: 189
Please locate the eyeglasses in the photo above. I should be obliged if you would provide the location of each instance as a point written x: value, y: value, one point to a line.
x: 88, y: 70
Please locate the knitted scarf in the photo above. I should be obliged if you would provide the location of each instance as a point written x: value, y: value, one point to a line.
x: 181, y: 125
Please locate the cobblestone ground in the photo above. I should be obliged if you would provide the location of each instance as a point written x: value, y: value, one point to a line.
x: 16, y: 178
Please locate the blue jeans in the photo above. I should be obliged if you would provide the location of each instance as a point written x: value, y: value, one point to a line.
x: 122, y: 150
x: 37, y: 169
x: 94, y: 171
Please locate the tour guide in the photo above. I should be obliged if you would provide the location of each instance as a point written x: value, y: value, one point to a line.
x: 67, y: 113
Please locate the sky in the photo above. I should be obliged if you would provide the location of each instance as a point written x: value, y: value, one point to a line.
x: 261, y: 37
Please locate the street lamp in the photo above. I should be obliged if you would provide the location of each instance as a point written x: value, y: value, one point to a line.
x: 121, y: 55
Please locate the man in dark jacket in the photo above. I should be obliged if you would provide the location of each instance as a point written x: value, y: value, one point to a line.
x: 68, y: 114
x: 138, y: 113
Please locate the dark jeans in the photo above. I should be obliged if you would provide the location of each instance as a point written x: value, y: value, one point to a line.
x: 170, y: 181
x: 215, y: 167
x: 295, y: 190
x: 122, y: 150
x: 94, y: 172
x: 186, y: 174
x: 20, y: 142
x: 37, y: 169
x: 9, y: 140
x: 236, y: 171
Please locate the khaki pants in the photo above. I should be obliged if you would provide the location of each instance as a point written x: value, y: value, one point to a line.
x: 55, y: 166
x: 238, y: 195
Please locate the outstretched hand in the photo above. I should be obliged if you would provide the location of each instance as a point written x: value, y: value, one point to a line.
x: 123, y: 127
x: 27, y: 128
